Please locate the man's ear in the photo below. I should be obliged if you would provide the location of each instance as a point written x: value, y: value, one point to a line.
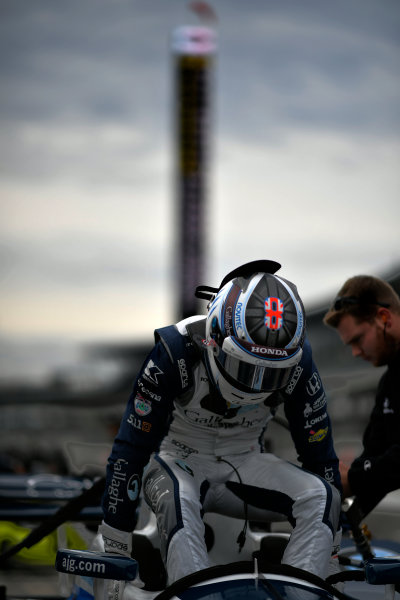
x: 384, y: 316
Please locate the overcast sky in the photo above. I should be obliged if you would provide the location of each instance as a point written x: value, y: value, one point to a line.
x: 305, y: 154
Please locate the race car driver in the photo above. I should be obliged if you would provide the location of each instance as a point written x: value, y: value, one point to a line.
x: 191, y: 438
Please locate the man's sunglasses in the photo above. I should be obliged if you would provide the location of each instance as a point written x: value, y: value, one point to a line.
x: 343, y: 301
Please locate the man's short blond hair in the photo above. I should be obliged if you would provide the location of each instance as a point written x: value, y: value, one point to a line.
x: 361, y: 296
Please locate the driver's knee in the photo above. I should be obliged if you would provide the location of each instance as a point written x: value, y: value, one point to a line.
x: 321, y: 502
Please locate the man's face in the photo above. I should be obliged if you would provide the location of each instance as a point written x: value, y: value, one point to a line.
x: 367, y: 340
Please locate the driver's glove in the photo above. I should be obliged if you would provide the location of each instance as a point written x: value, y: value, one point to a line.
x: 118, y: 542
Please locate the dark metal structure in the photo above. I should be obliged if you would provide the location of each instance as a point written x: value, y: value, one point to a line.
x: 193, y: 49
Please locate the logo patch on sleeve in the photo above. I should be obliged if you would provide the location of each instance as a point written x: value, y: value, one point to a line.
x: 317, y: 436
x: 142, y: 406
x: 152, y: 372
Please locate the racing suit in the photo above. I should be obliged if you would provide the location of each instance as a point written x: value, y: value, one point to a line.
x: 206, y: 455
x: 376, y: 472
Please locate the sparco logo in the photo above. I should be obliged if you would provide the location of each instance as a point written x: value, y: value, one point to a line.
x: 183, y: 372
x: 292, y: 383
x: 271, y: 351
x: 109, y: 543
x: 185, y: 449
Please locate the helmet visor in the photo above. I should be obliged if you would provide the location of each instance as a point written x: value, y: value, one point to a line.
x: 250, y: 377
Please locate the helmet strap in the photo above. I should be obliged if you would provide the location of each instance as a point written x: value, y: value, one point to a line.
x: 205, y: 292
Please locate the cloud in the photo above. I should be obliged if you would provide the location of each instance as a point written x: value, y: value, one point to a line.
x: 303, y: 158
x: 305, y: 66
x: 310, y: 203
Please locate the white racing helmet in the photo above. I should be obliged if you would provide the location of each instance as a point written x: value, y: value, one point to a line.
x: 254, y: 332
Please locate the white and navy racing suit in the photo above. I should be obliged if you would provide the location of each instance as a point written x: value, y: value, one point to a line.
x: 208, y: 456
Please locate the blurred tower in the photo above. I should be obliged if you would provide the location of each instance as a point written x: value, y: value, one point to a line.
x: 193, y: 49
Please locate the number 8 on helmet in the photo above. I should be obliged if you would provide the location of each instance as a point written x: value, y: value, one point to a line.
x: 255, y: 331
